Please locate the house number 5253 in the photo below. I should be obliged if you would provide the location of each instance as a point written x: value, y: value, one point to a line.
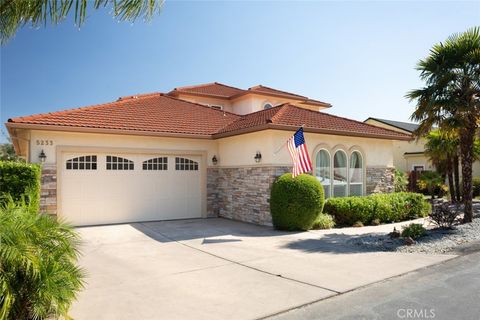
x: 44, y: 142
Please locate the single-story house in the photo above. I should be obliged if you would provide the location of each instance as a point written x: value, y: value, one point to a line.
x: 199, y: 151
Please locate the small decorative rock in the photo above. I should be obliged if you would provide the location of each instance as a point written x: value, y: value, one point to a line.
x: 394, y: 234
x: 409, y: 241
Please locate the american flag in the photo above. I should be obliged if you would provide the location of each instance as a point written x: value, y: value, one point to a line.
x: 299, y: 153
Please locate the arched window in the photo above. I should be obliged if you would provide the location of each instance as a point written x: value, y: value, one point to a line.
x: 155, y: 164
x: 267, y: 106
x: 356, y: 174
x: 184, y: 164
x: 82, y: 163
x: 340, y: 174
x: 322, y: 170
x: 119, y: 163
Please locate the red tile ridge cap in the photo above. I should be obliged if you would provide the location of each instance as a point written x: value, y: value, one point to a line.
x: 282, y: 109
x: 280, y: 91
x: 140, y: 95
x: 204, y: 85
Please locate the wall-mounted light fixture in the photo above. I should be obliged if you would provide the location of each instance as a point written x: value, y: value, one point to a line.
x: 42, y: 156
x: 258, y: 157
x: 214, y: 160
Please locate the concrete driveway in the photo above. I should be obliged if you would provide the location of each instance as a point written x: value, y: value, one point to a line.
x: 221, y: 269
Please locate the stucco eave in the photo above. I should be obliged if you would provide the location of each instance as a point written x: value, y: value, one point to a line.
x: 14, y: 138
x: 11, y: 125
x: 306, y: 129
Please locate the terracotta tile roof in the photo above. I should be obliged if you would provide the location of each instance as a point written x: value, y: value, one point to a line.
x: 222, y: 91
x: 160, y: 114
x: 262, y: 89
x: 151, y: 113
x: 288, y: 115
x: 210, y: 89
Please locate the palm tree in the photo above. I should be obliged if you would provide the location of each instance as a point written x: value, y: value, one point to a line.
x: 442, y: 149
x: 39, y: 278
x: 451, y: 97
x: 18, y: 13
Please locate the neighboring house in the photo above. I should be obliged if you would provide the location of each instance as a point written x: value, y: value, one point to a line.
x: 410, y: 155
x: 407, y: 155
x: 198, y: 151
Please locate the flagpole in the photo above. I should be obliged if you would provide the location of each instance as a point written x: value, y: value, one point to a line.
x: 284, y: 144
x: 280, y: 148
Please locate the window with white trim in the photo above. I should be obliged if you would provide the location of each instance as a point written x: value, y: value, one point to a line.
x: 356, y: 174
x: 322, y: 170
x: 215, y: 106
x: 82, y: 163
x: 184, y: 164
x: 340, y: 174
x: 160, y: 163
x: 118, y: 163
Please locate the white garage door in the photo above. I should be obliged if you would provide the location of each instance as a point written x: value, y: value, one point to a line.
x: 101, y: 188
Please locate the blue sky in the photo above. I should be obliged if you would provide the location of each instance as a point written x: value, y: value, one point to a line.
x: 358, y: 56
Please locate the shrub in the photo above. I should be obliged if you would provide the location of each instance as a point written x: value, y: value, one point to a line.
x: 358, y: 224
x: 39, y: 278
x: 444, y: 216
x: 324, y: 221
x: 431, y: 183
x: 400, y: 181
x: 377, y: 208
x: 296, y: 203
x: 413, y: 230
x: 22, y: 182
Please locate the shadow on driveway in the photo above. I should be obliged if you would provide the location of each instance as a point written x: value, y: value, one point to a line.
x: 190, y: 229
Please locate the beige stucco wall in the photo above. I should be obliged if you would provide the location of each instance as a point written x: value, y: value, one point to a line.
x: 226, y: 104
x: 115, y: 141
x: 240, y: 150
x: 245, y: 104
x: 253, y: 103
x: 376, y: 152
x: 406, y: 162
x: 230, y: 151
x: 401, y: 161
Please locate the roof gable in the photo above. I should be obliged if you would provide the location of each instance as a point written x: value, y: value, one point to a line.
x: 410, y: 127
x: 267, y: 90
x: 223, y: 91
x: 214, y: 89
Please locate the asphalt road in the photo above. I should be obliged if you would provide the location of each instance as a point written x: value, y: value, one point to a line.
x: 449, y: 290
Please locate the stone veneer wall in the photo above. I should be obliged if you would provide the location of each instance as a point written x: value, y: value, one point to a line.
x: 48, y: 192
x: 380, y: 180
x: 241, y: 193
x: 244, y: 193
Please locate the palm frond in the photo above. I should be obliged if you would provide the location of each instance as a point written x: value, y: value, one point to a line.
x: 18, y: 13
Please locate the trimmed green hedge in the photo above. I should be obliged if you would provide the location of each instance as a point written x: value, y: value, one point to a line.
x: 383, y: 208
x: 296, y: 203
x: 21, y: 181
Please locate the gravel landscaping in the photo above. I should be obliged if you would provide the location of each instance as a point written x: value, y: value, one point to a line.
x: 435, y: 241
